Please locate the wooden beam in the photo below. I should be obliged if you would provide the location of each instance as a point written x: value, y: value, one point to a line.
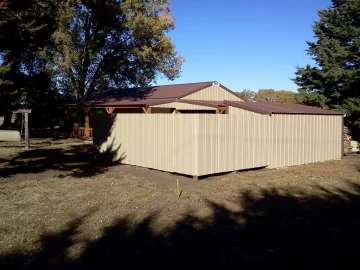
x: 23, y: 111
x: 221, y: 110
x: 86, y: 110
x: 102, y: 107
x: 109, y: 110
x: 146, y: 110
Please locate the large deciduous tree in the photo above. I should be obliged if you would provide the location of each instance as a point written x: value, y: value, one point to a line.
x: 100, y: 44
x: 246, y: 95
x: 265, y: 95
x: 270, y: 95
x: 79, y: 47
x: 335, y: 78
x: 288, y: 97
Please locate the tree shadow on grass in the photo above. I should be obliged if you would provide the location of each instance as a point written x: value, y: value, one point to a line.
x: 277, y: 229
x: 75, y: 161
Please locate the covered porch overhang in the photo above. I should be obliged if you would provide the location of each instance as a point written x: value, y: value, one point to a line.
x: 111, y: 107
x: 86, y: 130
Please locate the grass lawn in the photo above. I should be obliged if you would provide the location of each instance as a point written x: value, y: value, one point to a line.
x: 61, y: 208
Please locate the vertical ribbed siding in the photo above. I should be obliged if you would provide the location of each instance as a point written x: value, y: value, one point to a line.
x: 231, y: 142
x: 202, y: 144
x: 213, y: 93
x: 302, y: 139
x: 162, y: 141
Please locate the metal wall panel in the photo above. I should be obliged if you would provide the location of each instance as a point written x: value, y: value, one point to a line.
x: 203, y: 144
x: 231, y: 142
x: 301, y: 139
x: 213, y: 93
x: 159, y: 141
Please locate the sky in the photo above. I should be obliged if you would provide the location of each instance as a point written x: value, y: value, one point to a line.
x: 243, y: 44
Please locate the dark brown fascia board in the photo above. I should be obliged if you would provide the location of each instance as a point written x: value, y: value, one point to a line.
x: 161, y: 101
x: 265, y: 112
x: 247, y: 108
x: 102, y: 105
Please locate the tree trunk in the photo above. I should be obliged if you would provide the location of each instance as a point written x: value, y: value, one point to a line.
x: 7, y: 120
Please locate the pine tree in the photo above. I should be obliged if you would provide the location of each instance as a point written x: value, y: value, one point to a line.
x: 25, y: 30
x: 335, y: 79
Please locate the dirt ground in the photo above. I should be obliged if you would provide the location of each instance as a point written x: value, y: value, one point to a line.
x: 61, y: 208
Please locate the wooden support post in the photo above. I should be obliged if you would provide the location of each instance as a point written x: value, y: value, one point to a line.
x: 87, y: 122
x: 68, y: 125
x: 26, y: 112
x: 27, y: 137
x: 179, y: 191
x: 67, y: 113
x: 109, y: 110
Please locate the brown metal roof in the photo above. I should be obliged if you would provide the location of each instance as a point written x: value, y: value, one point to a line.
x: 147, y: 96
x: 275, y: 108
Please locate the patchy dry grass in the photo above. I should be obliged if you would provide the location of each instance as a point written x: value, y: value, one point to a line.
x: 58, y: 205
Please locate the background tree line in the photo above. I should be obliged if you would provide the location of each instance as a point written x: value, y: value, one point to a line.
x: 52, y: 51
x: 70, y: 49
x: 270, y: 95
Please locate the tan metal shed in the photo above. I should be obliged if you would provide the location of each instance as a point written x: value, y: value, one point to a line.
x: 204, y: 128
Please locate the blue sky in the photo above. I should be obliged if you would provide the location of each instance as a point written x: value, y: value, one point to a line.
x: 243, y: 44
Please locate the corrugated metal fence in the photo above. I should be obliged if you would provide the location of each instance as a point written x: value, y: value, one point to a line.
x: 201, y: 144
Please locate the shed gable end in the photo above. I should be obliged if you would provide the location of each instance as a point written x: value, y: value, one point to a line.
x: 213, y: 92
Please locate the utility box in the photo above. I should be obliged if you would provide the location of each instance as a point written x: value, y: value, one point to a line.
x: 10, y: 136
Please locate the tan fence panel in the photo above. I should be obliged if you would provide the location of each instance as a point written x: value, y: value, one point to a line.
x: 232, y: 142
x: 161, y: 141
x: 302, y: 139
x: 202, y: 144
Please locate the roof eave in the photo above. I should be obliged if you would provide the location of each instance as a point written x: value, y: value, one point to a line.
x: 256, y: 110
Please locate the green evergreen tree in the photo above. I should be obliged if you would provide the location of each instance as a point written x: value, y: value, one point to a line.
x: 334, y: 81
x: 25, y: 31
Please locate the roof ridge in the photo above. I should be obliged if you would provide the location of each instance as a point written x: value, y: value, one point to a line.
x: 181, y: 84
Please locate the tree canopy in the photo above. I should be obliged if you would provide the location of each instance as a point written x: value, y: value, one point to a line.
x: 74, y: 48
x: 270, y: 95
x: 334, y: 80
x: 246, y: 95
x: 111, y: 43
